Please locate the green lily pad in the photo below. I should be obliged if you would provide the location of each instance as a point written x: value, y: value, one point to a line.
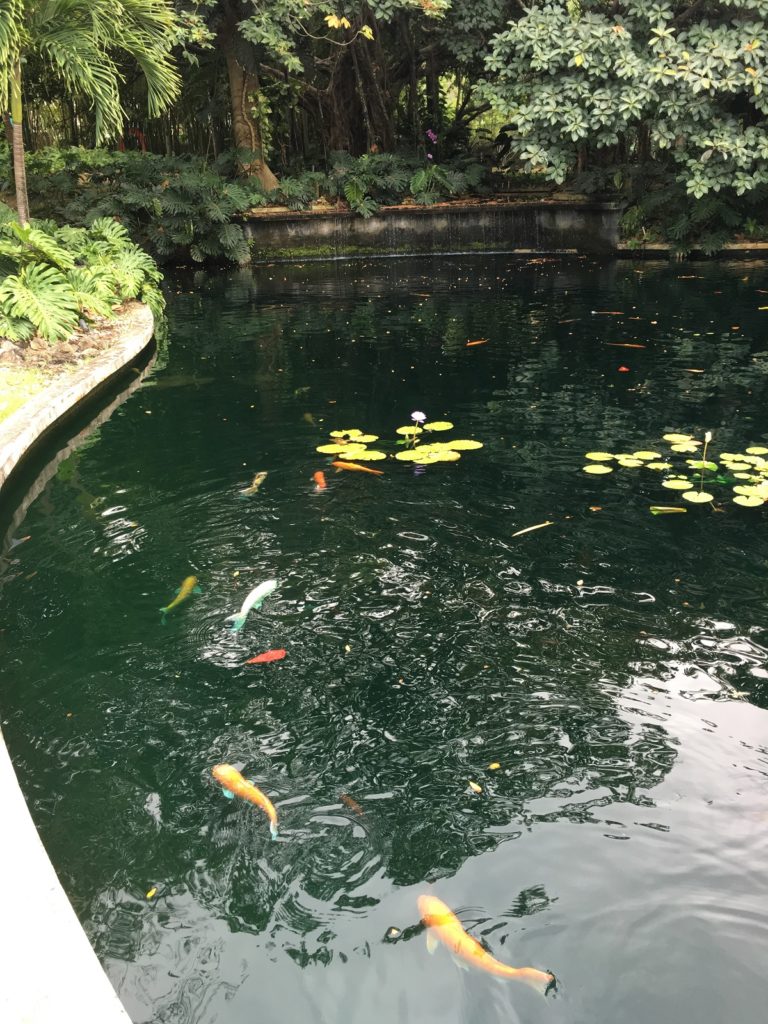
x: 677, y: 438
x: 334, y: 449
x: 630, y: 463
x: 346, y: 433
x: 410, y: 431
x: 599, y: 456
x: 697, y: 497
x: 748, y: 500
x: 756, y: 450
x: 645, y: 456
x: 409, y: 456
x: 443, y: 425
x: 676, y: 484
x: 743, y: 476
x: 367, y: 455
x: 463, y: 446
x: 597, y: 468
x: 745, y: 489
x: 686, y: 446
x: 658, y: 465
x: 698, y: 464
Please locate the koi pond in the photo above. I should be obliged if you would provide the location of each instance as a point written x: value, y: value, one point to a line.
x: 560, y: 733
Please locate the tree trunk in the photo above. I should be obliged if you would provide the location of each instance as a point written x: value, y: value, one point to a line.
x: 19, y: 168
x: 245, y: 127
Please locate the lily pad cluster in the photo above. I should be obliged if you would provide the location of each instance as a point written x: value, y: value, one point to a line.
x: 745, y: 472
x: 352, y: 445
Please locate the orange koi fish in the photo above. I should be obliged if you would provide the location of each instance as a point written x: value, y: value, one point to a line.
x: 480, y: 341
x: 353, y: 465
x: 443, y: 926
x: 230, y: 779
x: 319, y: 478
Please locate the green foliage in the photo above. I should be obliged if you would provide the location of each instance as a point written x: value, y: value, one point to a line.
x: 52, y: 277
x: 637, y: 79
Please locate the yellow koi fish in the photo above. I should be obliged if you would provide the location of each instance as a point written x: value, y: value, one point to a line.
x: 256, y: 483
x: 189, y: 586
x: 443, y: 926
x: 232, y: 781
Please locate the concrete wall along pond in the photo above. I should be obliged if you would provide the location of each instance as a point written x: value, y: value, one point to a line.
x: 50, y: 973
x: 511, y: 227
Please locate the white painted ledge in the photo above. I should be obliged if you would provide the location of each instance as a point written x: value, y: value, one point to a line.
x: 49, y: 973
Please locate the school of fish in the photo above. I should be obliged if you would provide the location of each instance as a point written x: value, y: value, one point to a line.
x: 442, y: 925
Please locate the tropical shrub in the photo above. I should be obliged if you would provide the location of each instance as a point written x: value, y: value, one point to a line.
x: 52, y: 277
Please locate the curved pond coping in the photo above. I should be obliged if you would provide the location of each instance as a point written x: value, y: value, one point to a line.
x: 50, y: 972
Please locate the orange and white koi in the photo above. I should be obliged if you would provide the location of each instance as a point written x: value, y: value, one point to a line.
x: 230, y: 779
x: 353, y: 466
x: 443, y: 926
x: 319, y: 478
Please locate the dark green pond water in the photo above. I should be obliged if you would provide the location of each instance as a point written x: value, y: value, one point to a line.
x: 613, y: 664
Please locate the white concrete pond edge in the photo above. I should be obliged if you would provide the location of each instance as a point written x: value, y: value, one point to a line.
x: 49, y: 973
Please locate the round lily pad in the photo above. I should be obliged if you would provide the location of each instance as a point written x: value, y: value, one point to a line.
x: 409, y: 431
x: 745, y: 489
x: 332, y: 449
x: 658, y: 465
x: 743, y: 476
x: 698, y: 464
x: 346, y: 433
x: 686, y: 446
x: 748, y: 500
x: 409, y: 456
x: 597, y: 468
x: 676, y: 484
x: 677, y: 438
x: 444, y: 425
x: 599, y: 456
x: 630, y: 462
x: 697, y: 497
x: 463, y: 446
x: 756, y: 450
x: 366, y: 455
x: 644, y: 456
x: 366, y: 438
x: 731, y: 457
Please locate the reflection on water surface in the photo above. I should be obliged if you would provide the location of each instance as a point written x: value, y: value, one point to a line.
x: 613, y: 664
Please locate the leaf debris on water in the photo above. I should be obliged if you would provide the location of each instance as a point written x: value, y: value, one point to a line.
x: 474, y: 787
x: 538, y: 526
x: 152, y: 892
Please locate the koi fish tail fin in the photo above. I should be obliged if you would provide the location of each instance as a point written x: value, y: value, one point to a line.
x: 273, y: 830
x: 237, y: 620
x: 163, y: 615
x: 542, y: 982
x: 197, y: 589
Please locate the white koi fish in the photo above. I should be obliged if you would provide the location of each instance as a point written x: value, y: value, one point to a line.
x: 254, y: 600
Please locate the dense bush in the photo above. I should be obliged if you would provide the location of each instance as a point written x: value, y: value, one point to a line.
x: 180, y: 207
x: 52, y: 277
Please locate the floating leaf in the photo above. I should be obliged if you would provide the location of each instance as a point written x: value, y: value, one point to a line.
x: 599, y: 456
x: 745, y: 489
x: 697, y: 497
x: 538, y: 526
x: 332, y: 449
x: 756, y: 450
x: 152, y: 892
x: 743, y: 476
x: 678, y: 438
x: 494, y: 765
x: 367, y: 455
x: 646, y: 455
x: 346, y: 433
x: 367, y: 438
x: 732, y: 457
x: 698, y: 464
x: 664, y: 510
x: 409, y: 431
x: 748, y: 500
x: 658, y: 465
x: 463, y: 446
x: 409, y: 456
x: 597, y: 468
x: 676, y: 485
x: 630, y: 462
x: 474, y: 787
x: 686, y: 446
x: 445, y: 425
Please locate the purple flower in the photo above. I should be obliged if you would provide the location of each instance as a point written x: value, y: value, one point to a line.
x: 418, y: 417
x: 429, y: 156
x: 431, y: 135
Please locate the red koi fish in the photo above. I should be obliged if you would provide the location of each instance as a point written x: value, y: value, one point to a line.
x: 261, y: 659
x: 443, y: 926
x: 319, y: 478
x: 229, y: 778
x: 360, y: 469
